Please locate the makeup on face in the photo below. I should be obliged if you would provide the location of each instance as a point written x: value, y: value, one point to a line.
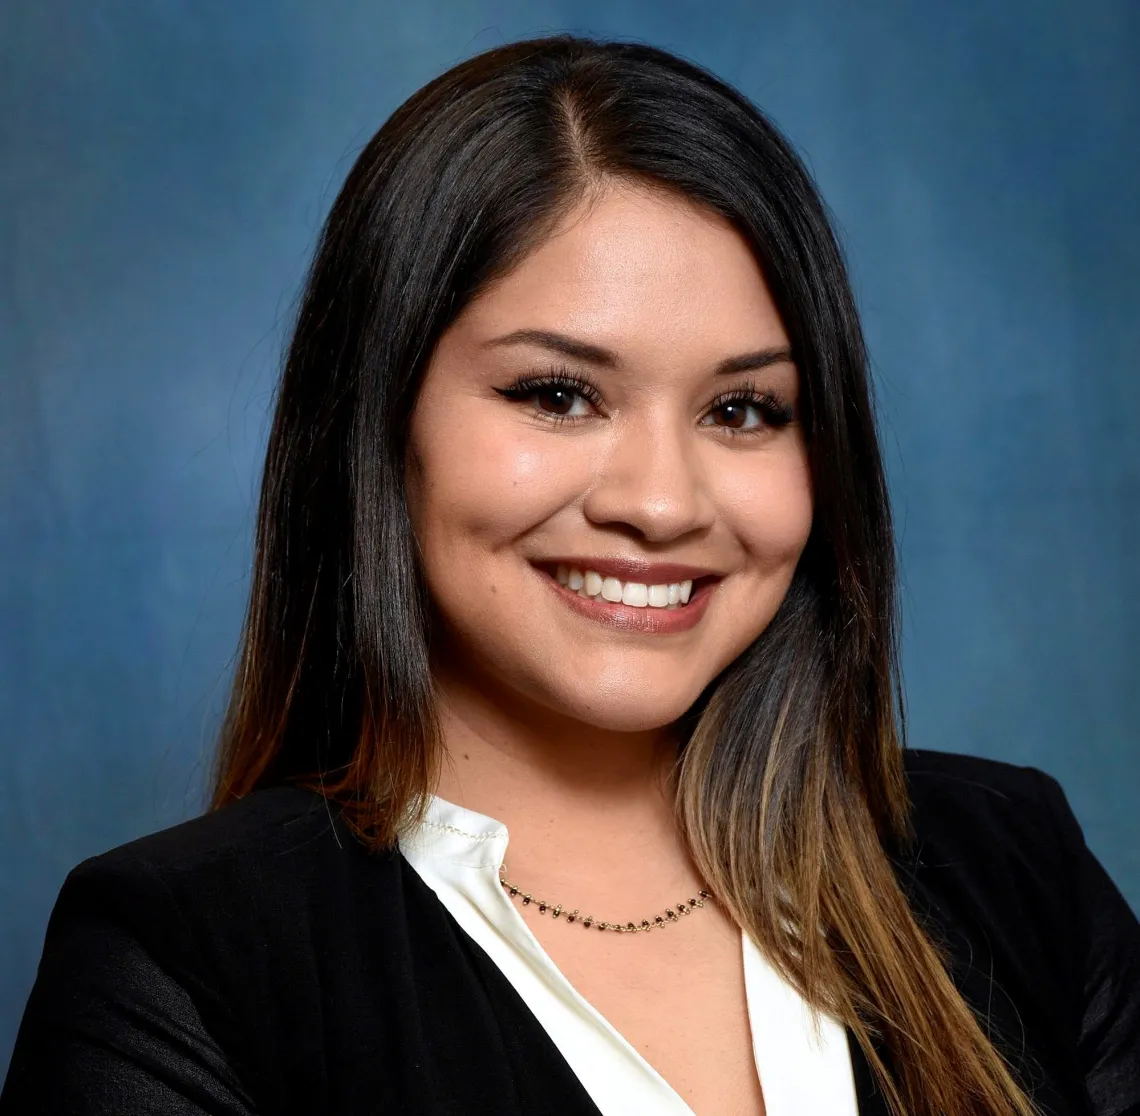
x: 609, y: 485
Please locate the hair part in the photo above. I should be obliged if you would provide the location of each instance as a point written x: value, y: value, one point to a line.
x: 790, y: 785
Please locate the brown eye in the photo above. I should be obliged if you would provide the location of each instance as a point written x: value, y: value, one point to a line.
x: 556, y: 400
x: 750, y: 413
x: 734, y: 414
x: 554, y: 397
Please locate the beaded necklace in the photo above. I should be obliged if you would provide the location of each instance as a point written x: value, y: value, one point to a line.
x: 670, y: 914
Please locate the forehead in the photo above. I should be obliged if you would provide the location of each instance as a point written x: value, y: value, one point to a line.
x: 645, y: 272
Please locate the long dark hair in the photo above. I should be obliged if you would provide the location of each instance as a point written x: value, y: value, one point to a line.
x: 790, y: 788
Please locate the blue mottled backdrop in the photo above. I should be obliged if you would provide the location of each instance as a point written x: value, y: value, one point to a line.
x: 164, y: 168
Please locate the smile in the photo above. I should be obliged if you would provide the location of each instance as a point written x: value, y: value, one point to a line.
x: 671, y: 604
x: 590, y: 583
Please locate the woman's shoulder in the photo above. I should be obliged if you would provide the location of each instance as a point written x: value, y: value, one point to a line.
x: 283, y: 820
x: 967, y: 801
x: 998, y: 860
x: 1005, y: 837
x: 968, y: 776
x: 181, y: 964
x: 993, y: 824
x: 271, y: 853
x: 224, y: 906
x: 1040, y: 938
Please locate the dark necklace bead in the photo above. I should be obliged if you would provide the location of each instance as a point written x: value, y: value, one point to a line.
x: 671, y: 914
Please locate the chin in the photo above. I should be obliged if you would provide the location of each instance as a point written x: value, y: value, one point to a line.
x: 625, y: 708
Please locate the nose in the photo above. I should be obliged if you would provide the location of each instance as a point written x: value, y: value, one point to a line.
x: 651, y: 479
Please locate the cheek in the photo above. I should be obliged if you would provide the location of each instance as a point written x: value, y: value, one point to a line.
x: 770, y: 510
x: 482, y: 484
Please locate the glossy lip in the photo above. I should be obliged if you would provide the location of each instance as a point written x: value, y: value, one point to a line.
x: 627, y: 618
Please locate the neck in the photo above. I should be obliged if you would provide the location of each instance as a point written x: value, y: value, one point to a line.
x: 589, y: 811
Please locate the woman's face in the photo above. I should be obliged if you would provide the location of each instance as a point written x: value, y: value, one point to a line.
x: 620, y: 412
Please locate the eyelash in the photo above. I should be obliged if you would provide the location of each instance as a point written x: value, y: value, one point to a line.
x: 775, y: 412
x: 555, y: 378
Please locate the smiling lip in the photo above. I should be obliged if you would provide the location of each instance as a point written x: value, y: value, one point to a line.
x: 629, y: 618
x: 631, y: 569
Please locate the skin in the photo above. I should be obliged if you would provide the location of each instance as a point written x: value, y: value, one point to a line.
x: 555, y: 723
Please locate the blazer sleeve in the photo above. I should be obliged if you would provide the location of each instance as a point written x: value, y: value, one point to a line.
x: 109, y: 1028
x: 1108, y: 979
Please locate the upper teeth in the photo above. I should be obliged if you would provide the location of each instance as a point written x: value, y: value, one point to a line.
x: 589, y: 583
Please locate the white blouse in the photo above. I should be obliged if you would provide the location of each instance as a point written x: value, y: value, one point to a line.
x: 458, y: 853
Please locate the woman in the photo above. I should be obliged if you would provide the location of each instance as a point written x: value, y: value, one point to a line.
x: 574, y: 535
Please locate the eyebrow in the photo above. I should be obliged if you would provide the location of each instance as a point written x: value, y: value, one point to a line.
x: 606, y: 358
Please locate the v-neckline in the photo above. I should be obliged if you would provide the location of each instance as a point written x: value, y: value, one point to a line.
x: 458, y: 853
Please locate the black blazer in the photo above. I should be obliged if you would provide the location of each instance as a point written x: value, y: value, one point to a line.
x: 260, y: 960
